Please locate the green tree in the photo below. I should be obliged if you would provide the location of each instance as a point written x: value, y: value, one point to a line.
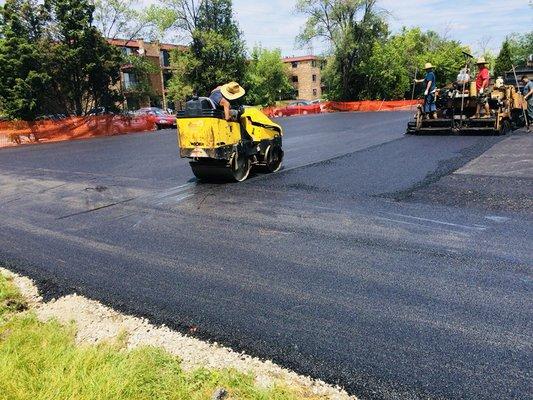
x: 184, y: 15
x: 503, y: 62
x: 179, y: 87
x: 218, y: 47
x: 351, y: 28
x: 117, y: 18
x: 393, y: 63
x: 52, y: 60
x: 84, y: 66
x: 267, y: 78
x: 216, y: 54
x: 24, y: 79
x: 124, y: 19
x: 521, y: 47
x: 141, y: 68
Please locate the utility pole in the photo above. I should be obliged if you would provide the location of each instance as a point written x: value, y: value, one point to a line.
x: 163, y: 88
x: 162, y: 74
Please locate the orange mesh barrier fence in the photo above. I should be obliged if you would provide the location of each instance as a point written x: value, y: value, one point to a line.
x: 13, y: 133
x: 370, y: 105
x: 335, y: 106
x: 269, y: 111
x: 294, y: 110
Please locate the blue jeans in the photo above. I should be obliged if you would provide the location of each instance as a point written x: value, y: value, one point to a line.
x: 429, y: 103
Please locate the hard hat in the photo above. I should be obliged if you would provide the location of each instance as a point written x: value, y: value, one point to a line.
x: 481, y: 60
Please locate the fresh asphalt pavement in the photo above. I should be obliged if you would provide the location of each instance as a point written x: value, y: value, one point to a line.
x: 346, y: 265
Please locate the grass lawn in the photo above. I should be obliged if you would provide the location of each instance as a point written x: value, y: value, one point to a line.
x: 41, y: 361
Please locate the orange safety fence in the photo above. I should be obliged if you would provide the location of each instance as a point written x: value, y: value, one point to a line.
x: 371, y: 105
x: 13, y: 133
x: 336, y: 106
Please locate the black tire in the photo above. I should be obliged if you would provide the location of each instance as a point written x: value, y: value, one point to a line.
x: 209, y: 170
x: 273, y: 158
x: 240, y: 167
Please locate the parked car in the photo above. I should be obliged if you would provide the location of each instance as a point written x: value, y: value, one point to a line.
x: 162, y: 118
x: 98, y: 111
x: 51, y: 117
x: 298, y: 107
x: 321, y: 103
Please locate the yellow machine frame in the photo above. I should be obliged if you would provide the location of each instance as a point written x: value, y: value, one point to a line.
x: 228, y: 149
x: 201, y: 137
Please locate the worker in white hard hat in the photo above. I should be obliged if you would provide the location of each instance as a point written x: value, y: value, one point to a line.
x: 430, y: 82
x: 482, y: 84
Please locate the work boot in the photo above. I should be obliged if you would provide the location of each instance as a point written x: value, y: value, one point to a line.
x: 434, y: 115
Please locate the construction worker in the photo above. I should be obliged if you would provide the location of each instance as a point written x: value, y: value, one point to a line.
x: 482, y: 84
x: 430, y: 82
x: 528, y: 96
x: 223, y: 95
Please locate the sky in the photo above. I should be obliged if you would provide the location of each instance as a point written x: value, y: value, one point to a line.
x: 476, y: 23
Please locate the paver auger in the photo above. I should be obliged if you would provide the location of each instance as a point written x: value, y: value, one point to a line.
x: 222, y: 150
x: 456, y: 108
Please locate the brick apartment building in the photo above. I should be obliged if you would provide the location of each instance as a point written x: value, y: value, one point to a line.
x: 306, y: 76
x: 305, y: 73
x: 159, y: 55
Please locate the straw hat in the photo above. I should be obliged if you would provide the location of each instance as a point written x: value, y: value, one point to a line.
x: 232, y: 91
x: 481, y: 60
x: 428, y: 66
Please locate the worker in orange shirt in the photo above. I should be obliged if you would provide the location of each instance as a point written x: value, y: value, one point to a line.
x: 482, y: 85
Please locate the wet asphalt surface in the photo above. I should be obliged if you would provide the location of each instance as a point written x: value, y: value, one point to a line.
x: 347, y: 265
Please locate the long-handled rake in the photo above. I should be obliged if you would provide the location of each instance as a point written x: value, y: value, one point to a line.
x: 518, y: 90
x: 468, y: 57
x: 413, y: 92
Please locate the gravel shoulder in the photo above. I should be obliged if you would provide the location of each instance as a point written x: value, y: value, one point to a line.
x: 96, y: 324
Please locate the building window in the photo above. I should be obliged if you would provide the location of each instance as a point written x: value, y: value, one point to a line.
x: 295, y: 64
x: 130, y: 80
x: 164, y: 56
x: 294, y: 79
x: 315, y: 92
x: 127, y: 51
x: 314, y: 78
x: 167, y: 76
x: 313, y: 63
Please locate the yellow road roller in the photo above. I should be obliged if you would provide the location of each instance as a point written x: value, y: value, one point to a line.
x: 222, y: 150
